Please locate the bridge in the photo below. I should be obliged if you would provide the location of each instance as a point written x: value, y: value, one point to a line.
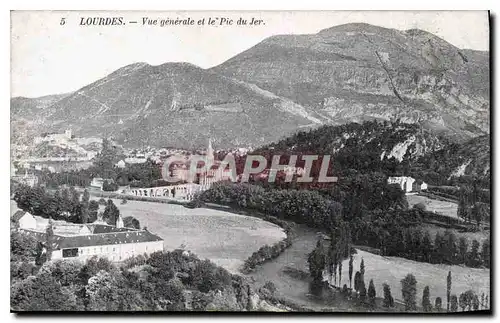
x: 181, y: 191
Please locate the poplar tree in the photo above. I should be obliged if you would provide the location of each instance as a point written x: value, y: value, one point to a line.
x: 388, y: 300
x: 426, y: 301
x: 350, y: 270
x: 371, y: 293
x: 448, y: 290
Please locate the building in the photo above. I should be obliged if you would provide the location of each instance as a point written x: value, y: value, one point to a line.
x: 97, y: 183
x: 58, y: 137
x: 25, y: 220
x: 27, y: 179
x: 84, y: 241
x: 121, y: 164
x: 407, y: 184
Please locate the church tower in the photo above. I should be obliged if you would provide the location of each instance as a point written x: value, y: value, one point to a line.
x: 119, y: 222
x: 210, y: 152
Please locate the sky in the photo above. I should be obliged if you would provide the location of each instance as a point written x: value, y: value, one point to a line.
x: 50, y: 58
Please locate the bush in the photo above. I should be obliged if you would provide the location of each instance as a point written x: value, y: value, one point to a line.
x: 102, y: 201
x: 109, y: 186
x: 420, y: 206
x: 123, y: 201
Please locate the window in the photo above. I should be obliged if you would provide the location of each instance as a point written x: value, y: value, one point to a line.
x: 67, y: 253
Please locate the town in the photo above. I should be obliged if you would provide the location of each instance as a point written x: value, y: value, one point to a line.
x: 295, y: 166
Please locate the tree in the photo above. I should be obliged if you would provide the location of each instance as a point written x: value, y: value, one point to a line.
x: 84, y: 211
x: 93, y: 209
x: 105, y: 161
x: 462, y: 301
x: 111, y: 213
x: 350, y: 270
x: 362, y: 268
x: 448, y: 290
x: 131, y: 222
x: 317, y: 262
x: 49, y: 240
x: 475, y: 303
x: 474, y: 259
x: 362, y: 290
x: 453, y: 303
x: 451, y: 246
x: 388, y: 300
x: 426, y: 301
x: 438, y: 304
x: 371, y: 293
x: 486, y: 253
x: 420, y: 206
x: 463, y: 246
x: 426, y: 248
x: 357, y: 281
x: 340, y: 273
x: 409, y: 291
x: 482, y: 301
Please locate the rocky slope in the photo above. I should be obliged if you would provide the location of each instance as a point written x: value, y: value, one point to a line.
x: 472, y: 158
x: 355, y: 72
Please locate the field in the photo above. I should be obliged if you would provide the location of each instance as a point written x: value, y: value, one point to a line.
x: 225, y: 238
x: 391, y: 270
x: 287, y: 273
x: 441, y: 207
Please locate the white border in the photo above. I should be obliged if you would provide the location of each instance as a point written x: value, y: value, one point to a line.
x: 191, y: 5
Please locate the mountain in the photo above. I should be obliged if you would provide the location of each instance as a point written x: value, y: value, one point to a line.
x: 176, y: 104
x: 27, y: 116
x: 287, y: 83
x: 355, y: 72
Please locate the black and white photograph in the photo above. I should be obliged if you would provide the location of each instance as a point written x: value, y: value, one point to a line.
x: 250, y: 161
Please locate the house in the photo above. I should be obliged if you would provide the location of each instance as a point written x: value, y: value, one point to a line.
x: 407, y: 184
x: 97, y: 183
x: 25, y: 220
x: 121, y: 164
x: 419, y: 185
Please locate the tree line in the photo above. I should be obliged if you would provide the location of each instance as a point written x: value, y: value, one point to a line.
x: 394, y: 231
x: 157, y: 282
x: 68, y: 205
x: 320, y: 259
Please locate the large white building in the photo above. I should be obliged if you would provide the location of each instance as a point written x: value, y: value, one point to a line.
x: 407, y: 184
x: 83, y: 241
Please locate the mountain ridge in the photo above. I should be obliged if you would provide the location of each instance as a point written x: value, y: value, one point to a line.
x: 346, y: 73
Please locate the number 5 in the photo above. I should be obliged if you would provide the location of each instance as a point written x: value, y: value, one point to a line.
x: 63, y: 21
